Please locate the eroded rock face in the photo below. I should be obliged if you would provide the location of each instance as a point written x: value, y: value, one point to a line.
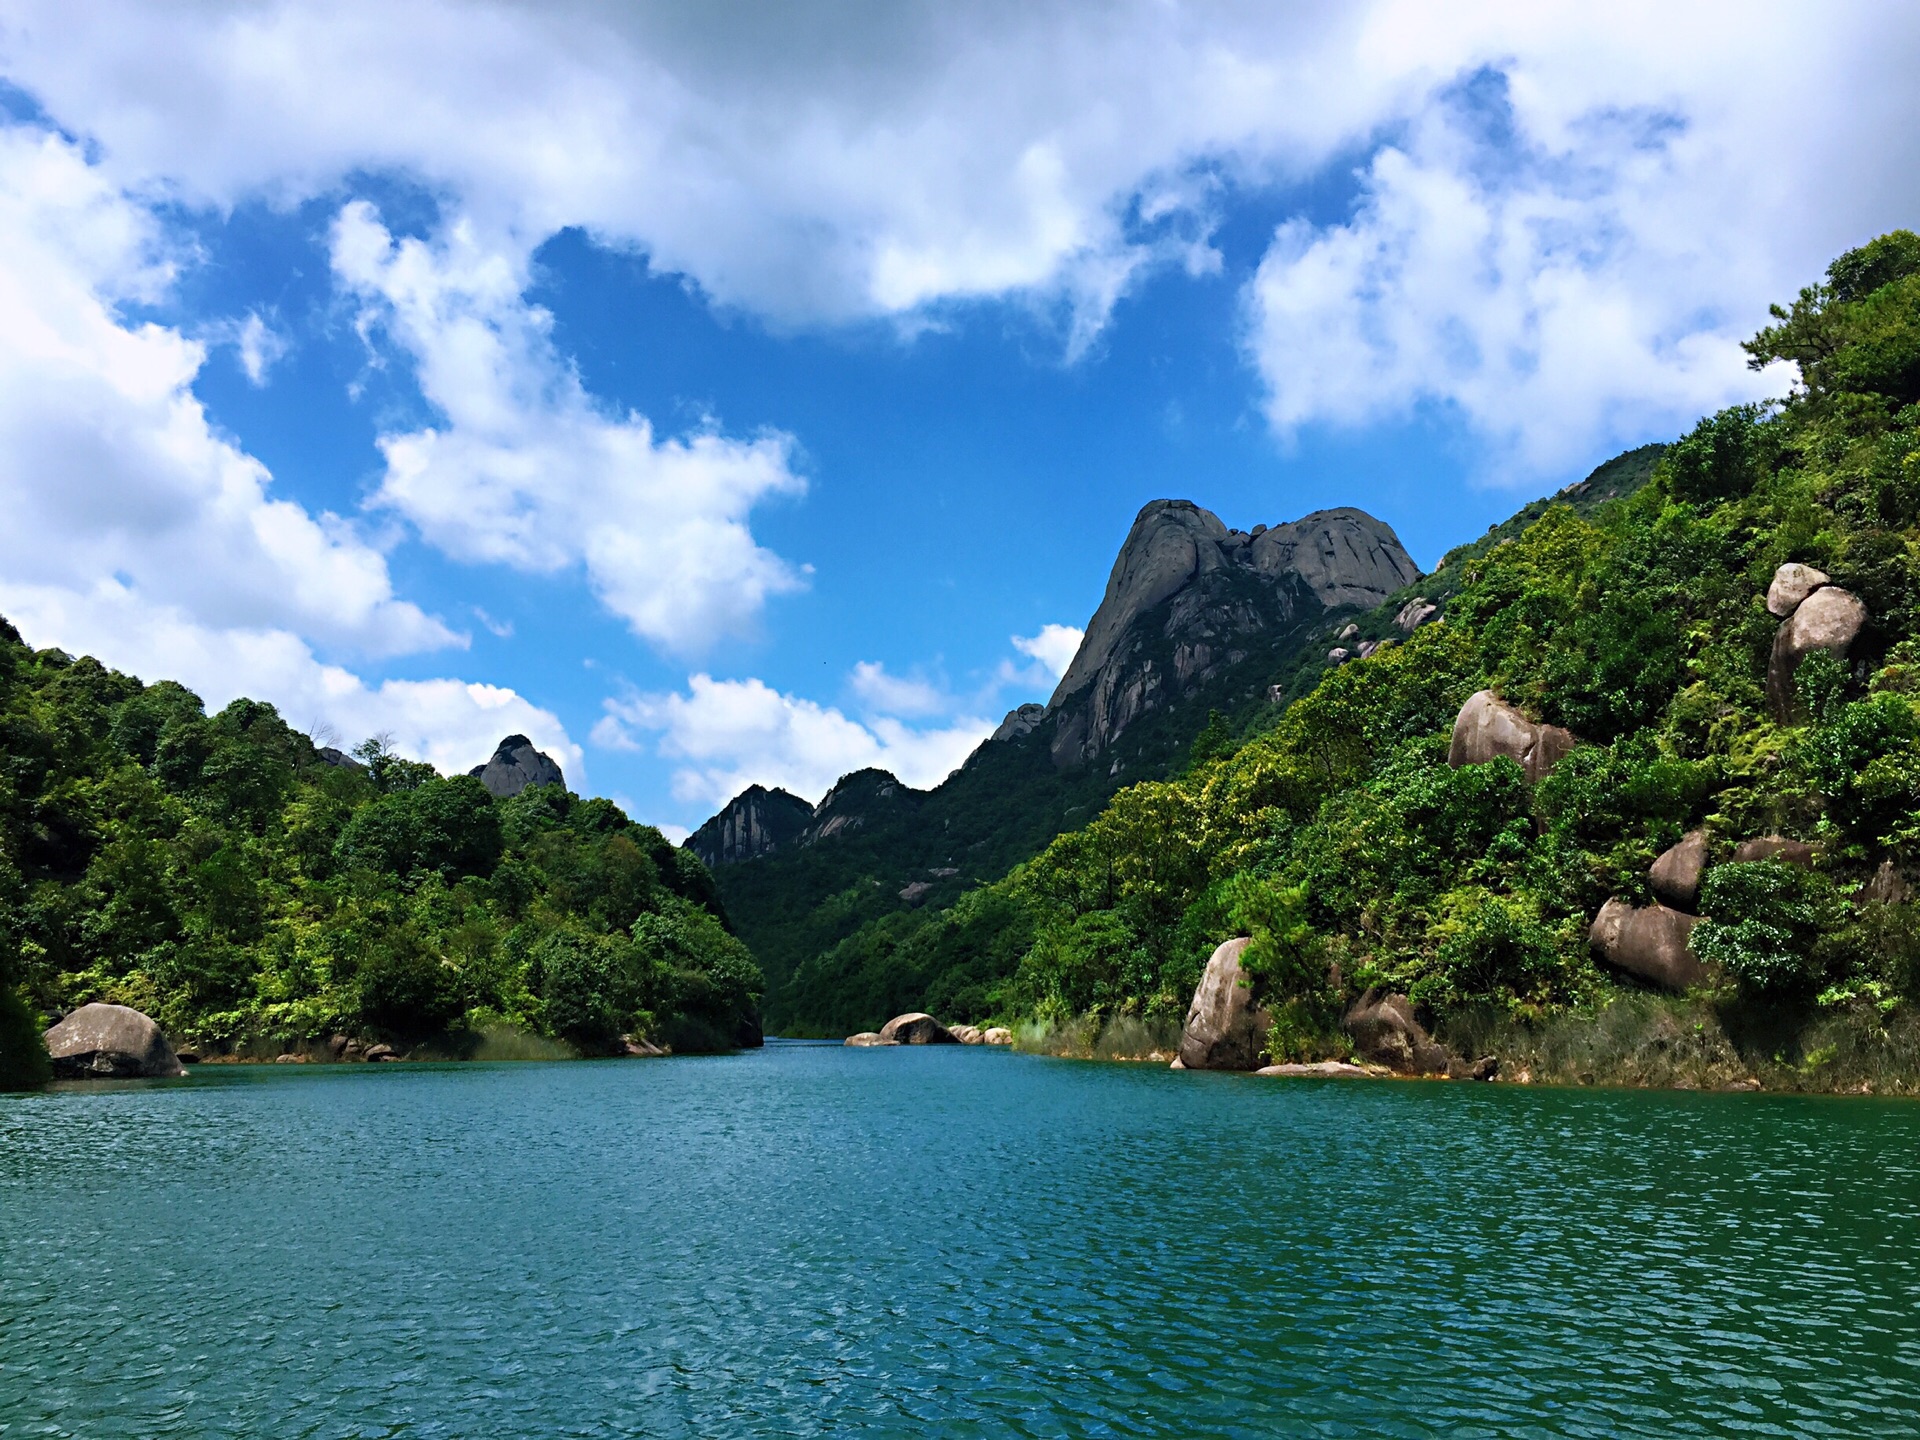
x: 1487, y: 728
x: 1188, y: 596
x: 1675, y: 876
x: 1415, y: 613
x: 1776, y: 847
x: 1225, y: 1030
x: 1829, y: 619
x: 1649, y: 943
x: 1021, y: 720
x: 1385, y: 1032
x: 1887, y: 886
x: 1793, y: 583
x: 756, y: 822
x: 111, y: 1042
x: 516, y: 765
x: 916, y: 1028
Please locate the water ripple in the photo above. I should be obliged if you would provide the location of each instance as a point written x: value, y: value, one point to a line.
x: 812, y: 1241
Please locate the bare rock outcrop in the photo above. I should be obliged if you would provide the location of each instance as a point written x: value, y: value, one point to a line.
x: 1675, y: 876
x: 111, y: 1042
x: 1188, y: 598
x: 1415, y: 613
x: 1487, y: 728
x: 1225, y: 1029
x: 1775, y: 847
x: 868, y: 1038
x: 1888, y: 885
x: 1648, y: 943
x: 1793, y: 583
x: 516, y: 765
x: 917, y: 1028
x: 1829, y: 619
x: 756, y: 822
x: 996, y: 1035
x: 1385, y: 1032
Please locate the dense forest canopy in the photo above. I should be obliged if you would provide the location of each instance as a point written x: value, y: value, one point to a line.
x: 221, y: 874
x: 1341, y: 839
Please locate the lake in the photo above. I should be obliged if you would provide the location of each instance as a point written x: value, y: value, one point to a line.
x: 811, y: 1240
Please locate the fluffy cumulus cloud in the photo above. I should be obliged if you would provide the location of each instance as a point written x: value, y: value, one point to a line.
x: 724, y: 735
x: 140, y: 534
x: 1054, y: 647
x: 1656, y: 173
x: 528, y: 471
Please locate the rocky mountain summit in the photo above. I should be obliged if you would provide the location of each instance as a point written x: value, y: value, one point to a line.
x: 756, y: 822
x: 1189, y: 604
x: 516, y: 765
x: 1189, y: 598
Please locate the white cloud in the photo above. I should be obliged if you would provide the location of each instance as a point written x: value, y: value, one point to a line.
x: 1054, y: 647
x: 455, y: 724
x: 108, y: 465
x: 890, y: 159
x: 729, y: 734
x: 138, y: 534
x: 886, y: 694
x: 528, y: 471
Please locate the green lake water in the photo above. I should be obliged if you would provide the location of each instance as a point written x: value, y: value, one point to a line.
x: 948, y: 1242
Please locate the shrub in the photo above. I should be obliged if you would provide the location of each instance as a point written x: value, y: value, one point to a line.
x: 1764, y: 920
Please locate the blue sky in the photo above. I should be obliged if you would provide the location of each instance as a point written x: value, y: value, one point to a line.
x: 721, y: 405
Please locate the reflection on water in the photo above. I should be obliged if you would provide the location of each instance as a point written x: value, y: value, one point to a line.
x: 955, y: 1242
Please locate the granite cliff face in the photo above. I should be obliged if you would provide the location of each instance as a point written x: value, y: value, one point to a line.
x: 1188, y: 603
x: 756, y: 822
x: 1189, y: 598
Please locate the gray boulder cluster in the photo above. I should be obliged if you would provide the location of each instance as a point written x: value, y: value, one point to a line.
x: 918, y: 1028
x: 1817, y: 615
x: 1226, y: 1029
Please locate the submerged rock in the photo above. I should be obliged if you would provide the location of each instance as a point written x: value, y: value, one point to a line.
x: 1487, y: 728
x: 1385, y: 1032
x: 110, y: 1042
x: 1225, y: 1030
x: 917, y: 1028
x: 1337, y: 1069
x: 1649, y: 943
x: 1675, y: 876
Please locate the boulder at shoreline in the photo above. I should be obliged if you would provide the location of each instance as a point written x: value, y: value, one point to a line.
x: 111, y: 1042
x: 868, y: 1038
x: 1649, y: 943
x: 917, y: 1028
x: 1225, y: 1030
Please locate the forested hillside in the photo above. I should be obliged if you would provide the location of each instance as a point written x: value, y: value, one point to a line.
x: 1345, y: 843
x: 222, y: 875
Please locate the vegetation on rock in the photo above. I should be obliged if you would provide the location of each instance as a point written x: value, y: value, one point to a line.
x: 220, y: 874
x: 1635, y: 616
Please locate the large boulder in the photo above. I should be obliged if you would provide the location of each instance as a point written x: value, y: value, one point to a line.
x: 516, y: 765
x: 1829, y: 619
x: 1487, y: 728
x: 1648, y: 943
x: 110, y: 1042
x: 1225, y: 1030
x: 916, y: 1028
x: 1385, y: 1032
x: 1793, y: 583
x: 1775, y: 847
x: 1675, y: 876
x: 868, y: 1038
